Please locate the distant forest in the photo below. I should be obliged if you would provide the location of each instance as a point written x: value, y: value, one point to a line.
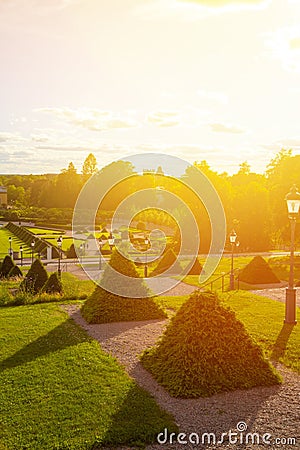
x: 254, y: 204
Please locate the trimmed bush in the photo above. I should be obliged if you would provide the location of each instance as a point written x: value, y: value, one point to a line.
x: 53, y: 285
x: 258, y: 271
x: 35, y: 278
x: 6, y: 266
x: 205, y: 350
x: 71, y: 253
x: 165, y: 263
x: 104, y: 306
x: 15, y: 271
x: 196, y: 268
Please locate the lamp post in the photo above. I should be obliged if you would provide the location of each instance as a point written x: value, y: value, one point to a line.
x: 10, y: 250
x: 232, y: 238
x: 100, y: 247
x: 21, y: 253
x: 293, y: 205
x: 146, y: 264
x: 111, y: 241
x: 59, y: 244
x: 81, y: 252
x: 32, y: 247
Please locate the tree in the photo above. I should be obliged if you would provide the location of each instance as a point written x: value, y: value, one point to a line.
x: 89, y: 166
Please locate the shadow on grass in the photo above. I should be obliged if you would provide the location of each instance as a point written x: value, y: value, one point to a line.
x: 60, y: 337
x: 137, y: 422
x: 281, y: 341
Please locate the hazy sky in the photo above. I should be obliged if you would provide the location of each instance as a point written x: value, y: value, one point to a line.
x: 200, y: 79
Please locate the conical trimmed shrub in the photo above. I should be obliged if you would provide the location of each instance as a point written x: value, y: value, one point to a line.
x: 165, y: 263
x: 53, y: 285
x: 15, y: 271
x: 196, y: 268
x: 71, y: 253
x: 205, y: 350
x: 133, y: 303
x: 258, y: 271
x: 35, y: 278
x: 6, y: 266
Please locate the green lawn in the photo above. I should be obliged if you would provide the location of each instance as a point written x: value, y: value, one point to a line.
x: 59, y: 390
x: 44, y: 231
x: 15, y: 244
x: 263, y: 318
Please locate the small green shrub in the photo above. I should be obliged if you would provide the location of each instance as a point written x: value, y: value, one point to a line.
x: 15, y: 271
x: 71, y: 253
x: 6, y: 266
x: 35, y: 278
x: 167, y: 260
x: 205, y: 350
x: 104, y: 306
x: 258, y: 271
x: 53, y: 285
x: 196, y: 268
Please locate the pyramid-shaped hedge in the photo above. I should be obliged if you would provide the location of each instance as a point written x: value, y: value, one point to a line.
x: 6, y: 266
x: 53, y: 285
x: 258, y: 271
x: 35, y: 278
x: 196, y: 268
x: 133, y: 303
x: 206, y: 349
x: 167, y: 260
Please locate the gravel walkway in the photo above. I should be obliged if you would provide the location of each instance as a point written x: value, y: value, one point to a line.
x: 274, y: 410
x: 277, y: 294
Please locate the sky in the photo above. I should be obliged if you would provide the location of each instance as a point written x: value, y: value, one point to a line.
x: 214, y: 80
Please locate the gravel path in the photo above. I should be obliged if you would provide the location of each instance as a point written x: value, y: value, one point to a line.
x: 277, y: 294
x: 274, y: 410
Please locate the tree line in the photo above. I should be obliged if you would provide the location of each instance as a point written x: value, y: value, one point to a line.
x: 254, y: 204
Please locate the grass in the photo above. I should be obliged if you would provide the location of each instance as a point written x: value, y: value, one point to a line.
x: 15, y: 244
x: 263, y: 319
x: 59, y: 390
x: 44, y: 231
x: 73, y: 289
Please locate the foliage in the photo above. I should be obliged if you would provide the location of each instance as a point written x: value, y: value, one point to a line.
x: 15, y: 271
x: 196, y: 268
x: 79, y: 397
x: 167, y: 260
x: 6, y: 266
x: 71, y: 253
x: 53, y: 285
x: 258, y: 271
x: 135, y: 304
x: 35, y: 278
x: 205, y: 350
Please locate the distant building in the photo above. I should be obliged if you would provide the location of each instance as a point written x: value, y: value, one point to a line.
x: 3, y: 196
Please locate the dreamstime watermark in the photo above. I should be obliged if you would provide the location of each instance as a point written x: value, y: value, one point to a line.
x: 163, y: 194
x: 240, y: 436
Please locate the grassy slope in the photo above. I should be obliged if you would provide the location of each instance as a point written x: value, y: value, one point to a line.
x: 58, y: 390
x: 263, y: 319
x: 15, y: 244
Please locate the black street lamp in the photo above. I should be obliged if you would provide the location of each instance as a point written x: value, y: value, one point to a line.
x: 100, y: 248
x: 111, y: 241
x: 59, y: 244
x: 232, y: 238
x: 146, y: 264
x: 293, y: 205
x: 81, y: 252
x: 21, y: 253
x: 10, y: 249
x: 32, y: 248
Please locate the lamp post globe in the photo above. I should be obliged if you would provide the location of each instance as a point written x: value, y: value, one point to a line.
x: 293, y: 205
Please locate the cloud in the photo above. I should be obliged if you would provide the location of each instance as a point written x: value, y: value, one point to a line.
x: 92, y: 119
x: 10, y: 137
x: 164, y: 118
x: 213, y: 96
x: 289, y: 143
x: 191, y: 10
x: 223, y: 128
x: 284, y: 45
